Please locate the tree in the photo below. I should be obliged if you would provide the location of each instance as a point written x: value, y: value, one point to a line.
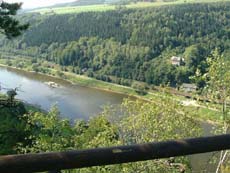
x: 11, y: 95
x: 140, y: 88
x: 166, y: 119
x: 139, y: 122
x: 12, y: 128
x: 48, y: 132
x: 218, y: 77
x: 9, y: 26
x: 218, y: 90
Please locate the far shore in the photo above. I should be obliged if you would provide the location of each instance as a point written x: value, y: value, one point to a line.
x: 81, y: 80
x: 109, y: 87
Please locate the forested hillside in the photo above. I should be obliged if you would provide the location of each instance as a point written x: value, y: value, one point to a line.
x: 122, y: 46
x: 130, y: 44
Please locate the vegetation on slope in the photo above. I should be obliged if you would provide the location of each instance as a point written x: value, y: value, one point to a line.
x: 12, y: 128
x: 9, y: 26
x: 137, y: 124
x: 104, y: 57
x: 126, y: 45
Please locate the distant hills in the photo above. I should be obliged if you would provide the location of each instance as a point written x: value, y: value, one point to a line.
x: 97, y: 2
x: 76, y: 3
x: 85, y: 2
x: 89, y: 4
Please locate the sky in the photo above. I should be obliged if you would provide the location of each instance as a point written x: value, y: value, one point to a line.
x: 27, y: 4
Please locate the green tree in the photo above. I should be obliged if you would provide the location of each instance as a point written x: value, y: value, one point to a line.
x: 140, y: 122
x: 140, y: 88
x: 218, y: 91
x: 218, y: 81
x: 13, y: 128
x: 9, y: 26
x: 48, y: 132
x: 166, y: 119
x: 11, y: 94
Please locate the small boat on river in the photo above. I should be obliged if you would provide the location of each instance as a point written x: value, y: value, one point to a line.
x: 52, y: 84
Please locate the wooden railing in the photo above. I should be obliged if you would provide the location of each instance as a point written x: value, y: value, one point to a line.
x: 113, y: 155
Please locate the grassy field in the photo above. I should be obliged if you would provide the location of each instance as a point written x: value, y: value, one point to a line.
x: 105, y: 7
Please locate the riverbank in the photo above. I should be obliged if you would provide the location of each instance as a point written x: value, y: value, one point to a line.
x: 85, y: 81
x: 203, y: 113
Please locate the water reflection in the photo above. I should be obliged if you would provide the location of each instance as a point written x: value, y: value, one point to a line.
x: 74, y: 102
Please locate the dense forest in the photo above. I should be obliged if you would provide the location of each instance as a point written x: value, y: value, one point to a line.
x: 130, y: 44
x: 120, y: 46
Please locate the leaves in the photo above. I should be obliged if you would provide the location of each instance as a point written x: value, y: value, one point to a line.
x: 218, y: 90
x: 140, y: 122
x: 49, y: 132
x: 9, y: 26
x: 147, y: 122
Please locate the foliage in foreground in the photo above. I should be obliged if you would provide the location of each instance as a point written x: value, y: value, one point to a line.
x: 13, y: 128
x: 9, y: 26
x: 218, y: 91
x: 140, y: 122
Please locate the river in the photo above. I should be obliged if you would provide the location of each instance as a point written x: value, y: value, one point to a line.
x: 76, y: 102
x: 73, y: 101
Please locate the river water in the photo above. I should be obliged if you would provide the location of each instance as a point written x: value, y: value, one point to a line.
x: 76, y: 102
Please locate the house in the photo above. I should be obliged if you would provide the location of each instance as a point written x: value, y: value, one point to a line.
x: 178, y: 61
x: 84, y: 70
x: 188, y: 87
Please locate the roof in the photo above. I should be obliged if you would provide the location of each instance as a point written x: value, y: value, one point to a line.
x: 176, y: 58
x: 188, y: 85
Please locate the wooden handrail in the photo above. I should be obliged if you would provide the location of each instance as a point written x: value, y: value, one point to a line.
x: 113, y: 155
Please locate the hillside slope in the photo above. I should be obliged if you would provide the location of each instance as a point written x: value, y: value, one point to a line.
x: 128, y: 44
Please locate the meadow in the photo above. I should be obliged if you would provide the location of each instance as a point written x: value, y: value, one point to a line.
x: 106, y: 7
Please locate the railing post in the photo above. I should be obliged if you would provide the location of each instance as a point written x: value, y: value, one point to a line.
x: 41, y: 162
x: 54, y: 171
